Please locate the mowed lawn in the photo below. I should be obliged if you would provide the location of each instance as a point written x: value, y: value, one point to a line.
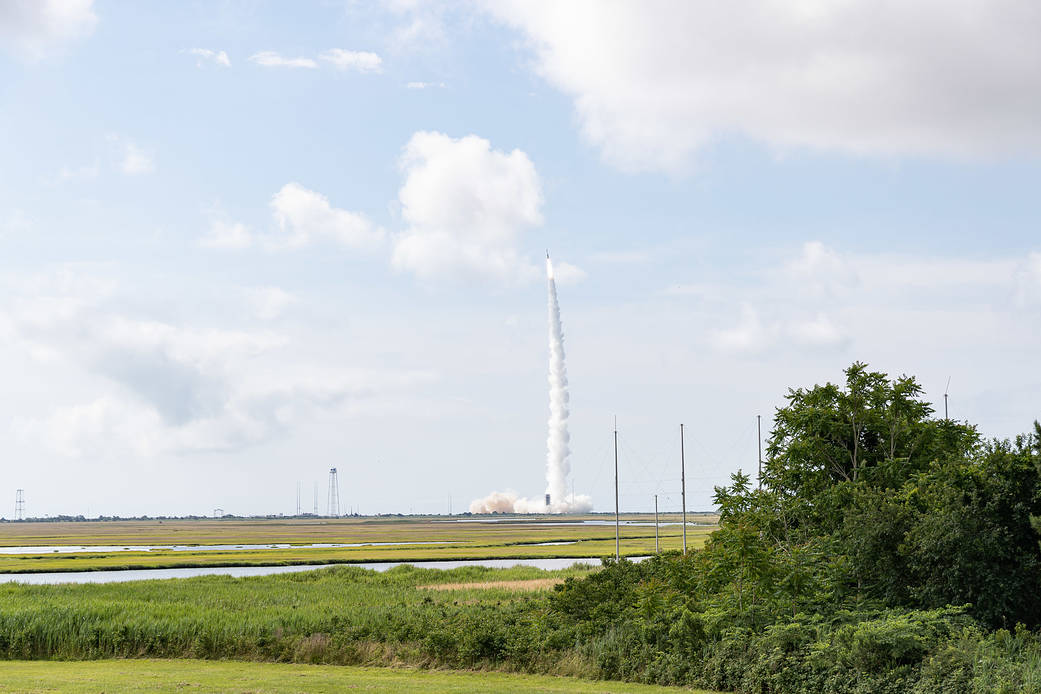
x: 200, y: 676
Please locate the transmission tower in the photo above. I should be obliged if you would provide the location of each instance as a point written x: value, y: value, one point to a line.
x: 334, y: 493
x: 298, y: 498
x: 19, y: 504
x: 316, y: 498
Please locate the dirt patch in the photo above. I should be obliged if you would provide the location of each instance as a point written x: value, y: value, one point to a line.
x: 520, y: 586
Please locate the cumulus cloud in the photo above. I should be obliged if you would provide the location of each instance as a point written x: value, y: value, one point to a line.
x: 819, y: 299
x: 465, y: 206
x: 749, y: 336
x: 35, y: 29
x: 821, y: 271
x: 269, y: 303
x: 653, y: 82
x: 304, y: 216
x: 136, y: 161
x: 168, y: 387
x: 820, y: 332
x: 273, y: 59
x: 226, y: 235
x: 206, y: 55
x: 355, y: 61
x: 1028, y: 280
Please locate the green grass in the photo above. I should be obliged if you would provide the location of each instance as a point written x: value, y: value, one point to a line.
x: 342, y: 615
x: 141, y: 676
x: 482, y: 540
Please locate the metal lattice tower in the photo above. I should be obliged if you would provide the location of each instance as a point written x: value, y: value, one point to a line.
x: 298, y: 498
x: 334, y: 493
x: 316, y: 498
x: 19, y: 504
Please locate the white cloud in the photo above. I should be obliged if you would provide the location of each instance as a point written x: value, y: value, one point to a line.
x: 159, y: 387
x: 15, y: 222
x: 424, y: 85
x: 566, y: 273
x: 87, y: 172
x: 357, y: 61
x: 273, y: 59
x: 842, y: 290
x: 136, y: 161
x: 206, y: 55
x: 653, y: 82
x: 269, y: 303
x: 225, y: 235
x: 466, y: 206
x: 304, y: 216
x: 821, y: 271
x: 35, y: 29
x: 1028, y: 280
x: 749, y: 336
x: 820, y: 332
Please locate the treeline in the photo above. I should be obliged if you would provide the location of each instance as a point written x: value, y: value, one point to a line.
x: 886, y: 551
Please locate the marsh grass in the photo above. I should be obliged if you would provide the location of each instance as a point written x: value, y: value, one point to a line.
x: 341, y: 615
x: 480, y: 540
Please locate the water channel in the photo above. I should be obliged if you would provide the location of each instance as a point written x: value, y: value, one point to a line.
x: 242, y: 571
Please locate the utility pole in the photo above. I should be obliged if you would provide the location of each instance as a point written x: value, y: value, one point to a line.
x: 683, y: 490
x: 945, y: 390
x: 759, y: 429
x: 656, y: 548
x: 316, y: 498
x: 298, y: 509
x: 616, y: 525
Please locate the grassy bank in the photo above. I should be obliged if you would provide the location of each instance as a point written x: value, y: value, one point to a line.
x: 342, y: 615
x: 150, y: 676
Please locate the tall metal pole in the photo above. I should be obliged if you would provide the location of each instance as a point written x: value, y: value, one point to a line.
x: 945, y: 391
x: 617, y: 553
x: 759, y: 429
x: 656, y: 550
x: 683, y: 489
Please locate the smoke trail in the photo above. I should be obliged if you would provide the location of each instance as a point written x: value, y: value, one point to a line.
x: 558, y: 467
x: 557, y: 464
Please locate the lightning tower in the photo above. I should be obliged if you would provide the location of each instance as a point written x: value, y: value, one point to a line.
x: 334, y: 493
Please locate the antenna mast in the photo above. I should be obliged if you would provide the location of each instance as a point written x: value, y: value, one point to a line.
x: 683, y: 489
x: 656, y: 549
x: 759, y: 429
x: 616, y: 532
x: 945, y: 390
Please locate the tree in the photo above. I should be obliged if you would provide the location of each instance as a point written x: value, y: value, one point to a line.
x: 875, y: 429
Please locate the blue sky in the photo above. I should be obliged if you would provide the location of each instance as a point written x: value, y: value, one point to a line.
x: 241, y: 243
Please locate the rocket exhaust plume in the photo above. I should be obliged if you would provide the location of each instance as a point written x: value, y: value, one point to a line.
x: 557, y: 464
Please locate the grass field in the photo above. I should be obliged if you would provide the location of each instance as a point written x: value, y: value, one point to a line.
x: 148, y: 676
x: 485, y: 539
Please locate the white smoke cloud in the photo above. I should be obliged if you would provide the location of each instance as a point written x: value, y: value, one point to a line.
x: 558, y: 467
